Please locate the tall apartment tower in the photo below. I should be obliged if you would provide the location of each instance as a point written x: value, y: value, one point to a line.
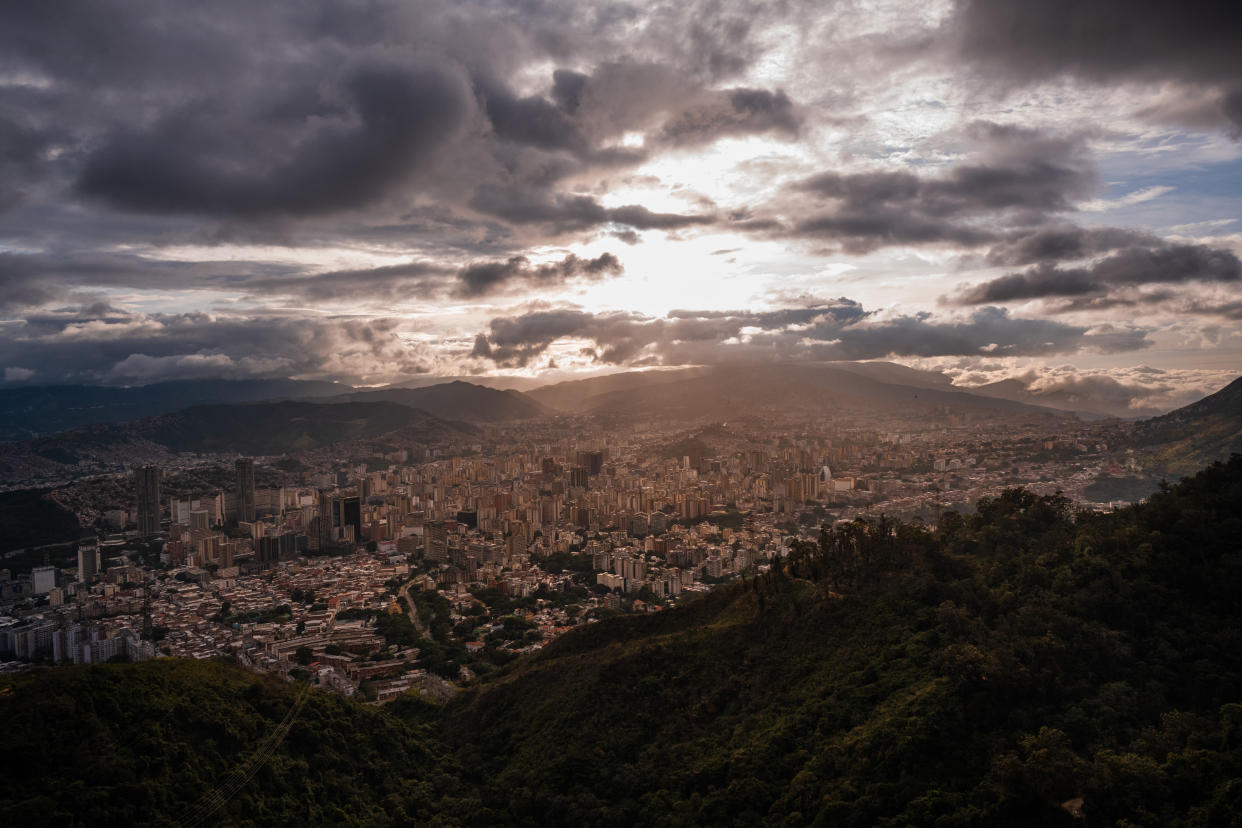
x: 88, y: 560
x: 147, y: 482
x: 245, y: 490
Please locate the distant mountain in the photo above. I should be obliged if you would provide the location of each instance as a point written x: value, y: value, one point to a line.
x: 1016, y: 390
x: 1195, y: 435
x: 251, y: 428
x: 727, y: 392
x: 458, y: 400
x: 282, y: 427
x: 35, y: 411
x: 896, y: 374
x: 575, y: 395
x: 501, y: 381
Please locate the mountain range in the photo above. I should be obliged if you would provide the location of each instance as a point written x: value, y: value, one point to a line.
x: 457, y: 400
x: 34, y: 411
x: 727, y: 392
x: 1181, y: 441
x: 251, y: 428
x: 1173, y: 444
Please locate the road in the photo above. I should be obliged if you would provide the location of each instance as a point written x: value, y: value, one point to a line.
x: 404, y: 592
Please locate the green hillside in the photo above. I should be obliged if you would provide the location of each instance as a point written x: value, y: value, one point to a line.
x: 1182, y: 441
x: 144, y: 744
x: 981, y: 674
x: 252, y: 428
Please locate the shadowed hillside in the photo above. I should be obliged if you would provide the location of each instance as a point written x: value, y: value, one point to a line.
x: 255, y: 428
x: 30, y: 412
x: 458, y: 401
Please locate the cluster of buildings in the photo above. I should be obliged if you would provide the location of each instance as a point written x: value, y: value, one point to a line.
x: 635, y: 517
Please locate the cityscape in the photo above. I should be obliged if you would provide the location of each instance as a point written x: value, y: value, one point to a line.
x: 426, y: 564
x: 539, y: 413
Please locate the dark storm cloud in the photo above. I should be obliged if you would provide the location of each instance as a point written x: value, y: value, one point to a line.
x: 331, y: 122
x: 567, y: 87
x: 561, y: 213
x: 733, y: 112
x: 1017, y: 179
x: 376, y: 285
x: 1168, y: 264
x: 24, y: 146
x: 532, y: 120
x: 487, y: 277
x: 1066, y: 241
x: 198, y: 160
x: 30, y: 279
x: 104, y: 345
x: 1231, y: 310
x: 840, y: 330
x: 1192, y: 43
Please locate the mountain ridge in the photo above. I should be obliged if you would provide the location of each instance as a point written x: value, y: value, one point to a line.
x: 259, y: 428
x: 457, y: 400
x: 34, y: 411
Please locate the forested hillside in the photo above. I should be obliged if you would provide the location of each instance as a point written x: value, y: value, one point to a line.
x: 984, y: 673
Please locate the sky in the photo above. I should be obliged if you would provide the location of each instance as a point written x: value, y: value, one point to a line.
x: 373, y: 192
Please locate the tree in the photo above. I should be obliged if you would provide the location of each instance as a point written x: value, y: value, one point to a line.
x: 303, y: 655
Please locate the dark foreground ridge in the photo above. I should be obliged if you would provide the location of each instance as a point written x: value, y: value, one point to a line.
x: 991, y: 672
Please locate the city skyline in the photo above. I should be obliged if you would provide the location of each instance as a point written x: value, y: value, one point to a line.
x: 379, y: 193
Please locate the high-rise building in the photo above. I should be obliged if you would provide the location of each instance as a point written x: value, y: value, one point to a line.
x: 435, y: 539
x: 347, y: 512
x: 88, y: 560
x: 147, y: 483
x: 592, y: 461
x: 43, y: 579
x: 245, y: 490
x: 324, y: 535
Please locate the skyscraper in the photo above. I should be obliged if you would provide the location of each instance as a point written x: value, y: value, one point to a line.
x: 88, y: 560
x: 147, y: 483
x: 245, y: 490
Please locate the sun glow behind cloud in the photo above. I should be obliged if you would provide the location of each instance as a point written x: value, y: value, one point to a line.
x: 399, y: 188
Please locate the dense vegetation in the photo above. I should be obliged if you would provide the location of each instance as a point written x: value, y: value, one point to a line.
x: 144, y: 744
x: 1187, y: 439
x: 28, y: 517
x: 982, y: 673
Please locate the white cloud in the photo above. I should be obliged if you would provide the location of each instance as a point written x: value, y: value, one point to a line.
x: 1099, y: 205
x: 15, y: 373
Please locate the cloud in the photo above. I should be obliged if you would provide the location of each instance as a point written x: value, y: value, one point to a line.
x: 103, y: 345
x: 202, y: 159
x: 1191, y: 44
x: 1137, y: 391
x: 532, y: 120
x: 1099, y: 205
x: 1017, y: 178
x: 738, y: 111
x: 837, y: 330
x: 487, y: 277
x: 15, y: 374
x: 29, y: 280
x: 561, y: 213
x: 1167, y: 264
x: 1066, y: 241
